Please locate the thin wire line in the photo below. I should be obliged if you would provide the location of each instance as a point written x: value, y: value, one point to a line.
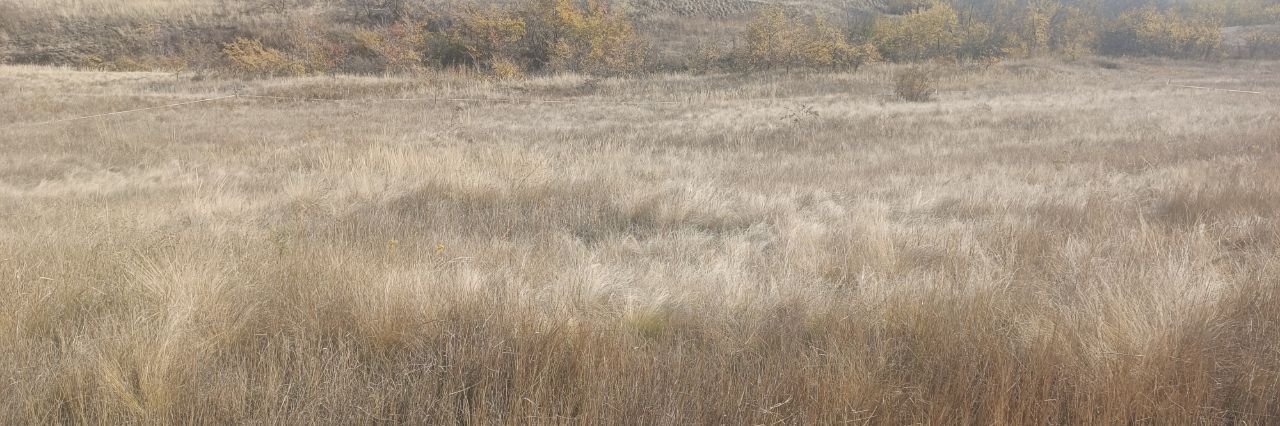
x: 86, y: 117
x: 1215, y: 88
x: 496, y: 100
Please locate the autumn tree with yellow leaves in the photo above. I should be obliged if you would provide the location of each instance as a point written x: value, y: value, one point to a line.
x: 931, y: 33
x: 1149, y: 31
x: 591, y: 39
x: 251, y: 57
x: 587, y: 36
x: 490, y: 40
x: 776, y: 39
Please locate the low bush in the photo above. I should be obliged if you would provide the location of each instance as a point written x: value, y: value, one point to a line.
x: 488, y: 40
x: 394, y: 48
x: 1262, y: 45
x: 321, y: 48
x: 914, y: 84
x: 250, y: 57
x: 505, y: 69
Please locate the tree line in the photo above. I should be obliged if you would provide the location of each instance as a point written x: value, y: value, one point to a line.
x: 510, y: 39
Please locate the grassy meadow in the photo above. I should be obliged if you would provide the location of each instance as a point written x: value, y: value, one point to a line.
x: 1046, y: 242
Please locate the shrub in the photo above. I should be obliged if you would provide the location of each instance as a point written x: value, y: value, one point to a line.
x: 505, y: 69
x: 1238, y: 12
x: 489, y: 39
x: 397, y: 47
x: 707, y: 57
x: 824, y: 45
x: 250, y: 57
x: 775, y: 39
x: 1026, y: 31
x: 93, y: 62
x: 594, y: 40
x: 319, y: 47
x: 914, y: 84
x: 978, y: 41
x: 924, y: 34
x: 378, y: 12
x: 326, y: 56
x: 1108, y: 65
x: 1149, y: 31
x: 1074, y: 33
x: 1262, y: 45
x: 863, y: 54
x: 899, y: 7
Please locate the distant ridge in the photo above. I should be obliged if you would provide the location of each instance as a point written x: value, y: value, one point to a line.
x: 731, y: 8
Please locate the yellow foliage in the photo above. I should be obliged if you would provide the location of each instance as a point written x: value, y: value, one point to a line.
x: 397, y: 47
x: 862, y: 54
x: 775, y: 39
x: 314, y: 47
x: 251, y: 57
x: 93, y: 62
x: 506, y: 69
x: 977, y: 41
x: 324, y: 56
x: 1074, y: 32
x: 490, y: 38
x: 1038, y: 27
x: 593, y: 40
x: 1149, y: 31
x: 924, y: 34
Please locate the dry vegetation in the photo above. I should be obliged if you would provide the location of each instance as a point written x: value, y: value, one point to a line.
x: 510, y: 38
x: 1043, y: 243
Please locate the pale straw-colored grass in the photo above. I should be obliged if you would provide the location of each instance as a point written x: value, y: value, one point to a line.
x: 1045, y: 243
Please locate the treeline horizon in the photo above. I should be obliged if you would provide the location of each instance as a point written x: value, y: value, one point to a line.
x: 508, y: 40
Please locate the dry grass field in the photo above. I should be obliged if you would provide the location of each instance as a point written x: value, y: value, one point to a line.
x: 1045, y: 243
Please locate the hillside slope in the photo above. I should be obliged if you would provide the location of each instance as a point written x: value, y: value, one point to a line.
x: 67, y: 31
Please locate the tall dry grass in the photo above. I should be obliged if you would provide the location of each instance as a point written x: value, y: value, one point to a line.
x: 1045, y: 243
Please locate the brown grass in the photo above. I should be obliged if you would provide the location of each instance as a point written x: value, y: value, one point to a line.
x: 1044, y: 243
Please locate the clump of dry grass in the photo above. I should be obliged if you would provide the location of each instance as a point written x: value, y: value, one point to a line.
x: 914, y: 84
x: 1014, y: 253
